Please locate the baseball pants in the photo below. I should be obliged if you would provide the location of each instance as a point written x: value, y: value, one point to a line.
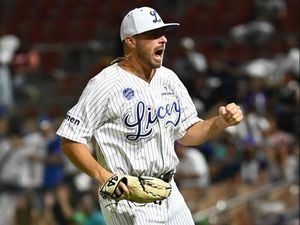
x: 172, y: 211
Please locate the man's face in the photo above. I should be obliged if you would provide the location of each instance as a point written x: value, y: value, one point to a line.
x: 150, y: 47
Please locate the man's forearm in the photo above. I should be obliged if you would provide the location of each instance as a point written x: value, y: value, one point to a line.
x: 202, y: 131
x: 229, y: 115
x: 81, y: 157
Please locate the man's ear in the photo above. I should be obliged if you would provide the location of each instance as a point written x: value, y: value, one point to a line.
x: 130, y: 42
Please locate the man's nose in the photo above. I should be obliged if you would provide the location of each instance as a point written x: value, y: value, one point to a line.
x: 163, y: 39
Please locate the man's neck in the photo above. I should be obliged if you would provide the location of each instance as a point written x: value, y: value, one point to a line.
x: 137, y: 69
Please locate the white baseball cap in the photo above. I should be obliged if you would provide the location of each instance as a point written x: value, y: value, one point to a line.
x: 140, y: 20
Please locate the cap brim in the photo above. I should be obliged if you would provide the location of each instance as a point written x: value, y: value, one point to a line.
x: 166, y: 27
x: 170, y: 26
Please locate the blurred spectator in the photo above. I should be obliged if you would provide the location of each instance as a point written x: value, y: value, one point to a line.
x: 48, y: 217
x: 277, y: 144
x: 4, y: 145
x: 250, y: 164
x: 15, y: 176
x: 227, y: 159
x: 291, y: 164
x: 225, y: 73
x: 254, y: 125
x: 274, y: 136
x: 271, y: 10
x: 285, y: 63
x: 25, y: 212
x: 88, y: 213
x: 293, y: 61
x: 25, y: 64
x: 262, y: 26
x: 255, y: 99
x: 16, y: 63
x: 15, y: 171
x: 192, y: 62
x: 53, y: 158
x: 85, y: 212
x: 204, y: 90
x: 260, y: 68
x: 287, y: 111
x: 254, y: 33
x: 8, y: 45
x: 192, y: 175
x: 62, y: 207
x: 34, y: 140
x: 273, y: 69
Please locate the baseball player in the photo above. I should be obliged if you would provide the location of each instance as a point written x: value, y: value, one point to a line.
x: 135, y: 109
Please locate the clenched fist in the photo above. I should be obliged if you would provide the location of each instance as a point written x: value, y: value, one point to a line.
x: 230, y: 114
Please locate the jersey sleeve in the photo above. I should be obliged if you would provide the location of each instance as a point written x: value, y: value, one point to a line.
x: 187, y: 109
x: 88, y: 114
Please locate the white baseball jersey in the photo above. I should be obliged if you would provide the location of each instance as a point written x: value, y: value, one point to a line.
x: 135, y: 124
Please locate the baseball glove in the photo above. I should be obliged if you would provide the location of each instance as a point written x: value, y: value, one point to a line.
x: 141, y: 189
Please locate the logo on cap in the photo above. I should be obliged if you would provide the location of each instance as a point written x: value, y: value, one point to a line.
x: 154, y: 13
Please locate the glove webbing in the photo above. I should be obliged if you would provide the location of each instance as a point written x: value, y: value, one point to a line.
x: 143, y: 182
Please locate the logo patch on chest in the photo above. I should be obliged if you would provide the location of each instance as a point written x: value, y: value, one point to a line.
x: 128, y: 93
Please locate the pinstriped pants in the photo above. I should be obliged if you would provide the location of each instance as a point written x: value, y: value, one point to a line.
x: 172, y: 211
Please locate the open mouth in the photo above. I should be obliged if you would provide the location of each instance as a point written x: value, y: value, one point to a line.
x: 159, y: 53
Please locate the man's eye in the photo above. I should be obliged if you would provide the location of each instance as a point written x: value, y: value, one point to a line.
x: 156, y: 34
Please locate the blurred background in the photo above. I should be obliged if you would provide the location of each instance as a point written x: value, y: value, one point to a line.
x: 244, y: 51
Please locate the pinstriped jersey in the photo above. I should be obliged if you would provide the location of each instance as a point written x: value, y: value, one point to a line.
x: 134, y: 122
